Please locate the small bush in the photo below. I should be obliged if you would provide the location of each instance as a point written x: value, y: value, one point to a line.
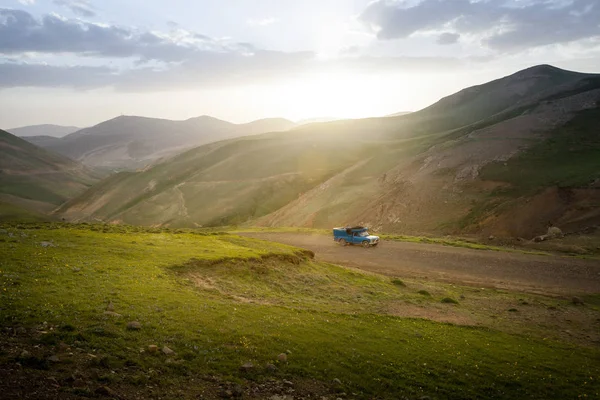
x: 398, y: 282
x: 512, y: 310
x: 449, y: 300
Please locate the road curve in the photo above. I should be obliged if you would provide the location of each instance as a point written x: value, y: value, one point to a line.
x: 506, y: 270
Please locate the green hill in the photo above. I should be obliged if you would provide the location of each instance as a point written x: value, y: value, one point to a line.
x: 38, y: 180
x: 428, y: 171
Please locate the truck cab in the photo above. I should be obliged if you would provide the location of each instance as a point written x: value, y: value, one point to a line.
x: 357, y: 235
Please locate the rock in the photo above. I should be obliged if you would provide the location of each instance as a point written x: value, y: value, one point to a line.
x: 282, y: 357
x: 47, y: 244
x: 106, y: 391
x: 337, y: 381
x: 554, y: 232
x: 237, y: 391
x: 134, y: 326
x: 110, y: 306
x: 63, y: 347
x: 154, y: 348
x: 227, y: 394
x: 167, y: 351
x: 25, y: 354
x: 578, y: 301
x: 247, y: 367
x: 54, y: 359
x: 113, y: 314
x: 541, y: 238
x: 76, y: 269
x: 271, y: 368
x: 288, y: 383
x: 491, y: 237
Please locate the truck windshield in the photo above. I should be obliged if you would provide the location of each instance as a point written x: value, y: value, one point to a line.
x: 363, y: 234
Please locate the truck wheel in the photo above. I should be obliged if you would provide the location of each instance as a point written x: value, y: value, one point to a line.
x: 342, y: 242
x: 366, y: 243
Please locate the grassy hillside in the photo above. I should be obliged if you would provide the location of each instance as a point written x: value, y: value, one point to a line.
x: 229, y: 306
x: 425, y: 172
x: 38, y: 179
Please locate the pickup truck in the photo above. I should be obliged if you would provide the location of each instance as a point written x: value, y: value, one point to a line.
x: 355, y: 235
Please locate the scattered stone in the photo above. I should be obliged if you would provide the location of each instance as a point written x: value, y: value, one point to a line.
x: 237, y: 391
x: 288, y: 383
x: 577, y: 301
x: 76, y: 269
x: 337, y: 381
x: 270, y: 368
x: 114, y: 314
x: 166, y: 351
x: 54, y: 359
x: 153, y: 348
x: 247, y: 367
x: 491, y: 237
x: 288, y: 351
x: 541, y: 238
x: 110, y: 306
x: 47, y: 244
x: 227, y: 394
x: 282, y: 357
x: 25, y: 354
x: 63, y: 347
x: 106, y: 391
x: 134, y: 326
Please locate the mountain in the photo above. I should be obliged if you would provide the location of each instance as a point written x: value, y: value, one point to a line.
x: 37, y: 180
x: 506, y: 158
x: 43, y: 130
x: 43, y: 141
x: 399, y: 114
x: 134, y: 142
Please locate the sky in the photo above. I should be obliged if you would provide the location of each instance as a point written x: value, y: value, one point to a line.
x: 80, y: 62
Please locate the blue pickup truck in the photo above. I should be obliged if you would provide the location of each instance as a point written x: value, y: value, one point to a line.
x: 355, y: 235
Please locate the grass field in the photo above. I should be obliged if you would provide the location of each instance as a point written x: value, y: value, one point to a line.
x: 220, y: 301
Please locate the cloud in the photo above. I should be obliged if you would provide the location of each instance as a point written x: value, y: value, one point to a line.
x: 448, y: 38
x: 501, y: 25
x: 82, y: 8
x: 21, y: 33
x: 40, y: 75
x: 261, y: 22
x: 27, y: 2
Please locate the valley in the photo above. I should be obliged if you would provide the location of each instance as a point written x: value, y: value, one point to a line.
x: 146, y: 258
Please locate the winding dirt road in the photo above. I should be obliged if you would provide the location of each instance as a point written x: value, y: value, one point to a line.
x: 516, y: 271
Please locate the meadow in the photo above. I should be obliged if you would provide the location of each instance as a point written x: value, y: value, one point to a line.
x: 230, y: 316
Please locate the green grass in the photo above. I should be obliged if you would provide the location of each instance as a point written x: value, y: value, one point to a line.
x: 259, y: 299
x: 570, y: 157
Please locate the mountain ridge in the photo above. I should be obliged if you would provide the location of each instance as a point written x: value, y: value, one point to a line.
x: 420, y: 173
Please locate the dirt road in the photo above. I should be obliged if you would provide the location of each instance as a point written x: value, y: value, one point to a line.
x: 531, y: 273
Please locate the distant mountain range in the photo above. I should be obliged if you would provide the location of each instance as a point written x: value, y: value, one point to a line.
x: 507, y: 157
x: 56, y: 131
x: 134, y: 142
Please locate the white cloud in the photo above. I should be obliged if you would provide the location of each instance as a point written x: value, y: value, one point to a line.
x: 261, y: 22
x: 27, y: 2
